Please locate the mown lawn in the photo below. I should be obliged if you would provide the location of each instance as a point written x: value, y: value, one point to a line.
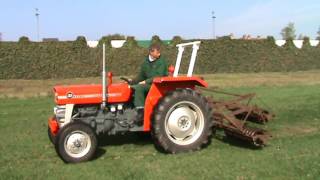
x: 293, y: 153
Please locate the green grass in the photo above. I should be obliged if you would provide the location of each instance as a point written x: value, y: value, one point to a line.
x: 293, y: 153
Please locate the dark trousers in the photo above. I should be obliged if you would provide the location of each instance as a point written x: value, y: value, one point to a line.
x: 140, y: 93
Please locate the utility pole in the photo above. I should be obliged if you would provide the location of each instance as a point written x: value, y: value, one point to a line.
x: 38, y: 24
x: 213, y: 25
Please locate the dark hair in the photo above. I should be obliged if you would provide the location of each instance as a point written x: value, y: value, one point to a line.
x: 154, y: 47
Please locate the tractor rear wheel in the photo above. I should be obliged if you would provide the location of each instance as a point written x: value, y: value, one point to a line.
x: 76, y: 142
x: 182, y: 121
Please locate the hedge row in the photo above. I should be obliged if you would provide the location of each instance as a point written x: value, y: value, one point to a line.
x: 43, y: 60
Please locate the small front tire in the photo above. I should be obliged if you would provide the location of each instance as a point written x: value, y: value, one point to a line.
x: 76, y: 142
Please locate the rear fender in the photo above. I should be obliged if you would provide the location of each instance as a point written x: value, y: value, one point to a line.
x: 163, y: 85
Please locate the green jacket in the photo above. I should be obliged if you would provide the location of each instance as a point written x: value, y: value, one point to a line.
x: 150, y: 70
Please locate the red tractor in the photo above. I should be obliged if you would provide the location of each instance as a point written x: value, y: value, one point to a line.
x: 179, y: 118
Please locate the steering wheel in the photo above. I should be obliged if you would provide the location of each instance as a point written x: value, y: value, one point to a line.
x: 126, y: 80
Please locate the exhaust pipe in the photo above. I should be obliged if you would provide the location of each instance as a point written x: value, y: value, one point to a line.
x: 104, y: 83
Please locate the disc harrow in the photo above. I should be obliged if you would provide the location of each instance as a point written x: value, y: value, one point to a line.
x: 231, y: 115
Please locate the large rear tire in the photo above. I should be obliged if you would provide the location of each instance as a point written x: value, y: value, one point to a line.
x: 182, y: 121
x: 76, y: 142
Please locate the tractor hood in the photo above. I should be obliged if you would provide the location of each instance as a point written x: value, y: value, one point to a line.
x: 91, y: 94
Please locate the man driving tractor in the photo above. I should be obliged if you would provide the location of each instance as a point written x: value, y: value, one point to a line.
x: 179, y: 118
x: 153, y: 66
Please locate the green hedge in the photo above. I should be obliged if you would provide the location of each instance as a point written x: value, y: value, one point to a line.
x: 43, y: 60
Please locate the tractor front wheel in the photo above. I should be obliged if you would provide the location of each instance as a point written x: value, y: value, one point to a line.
x: 182, y: 121
x: 76, y: 142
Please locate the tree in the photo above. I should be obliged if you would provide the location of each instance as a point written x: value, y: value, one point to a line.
x: 318, y: 38
x: 24, y: 40
x: 176, y: 40
x: 131, y: 42
x: 288, y: 32
x: 80, y: 42
x: 156, y: 40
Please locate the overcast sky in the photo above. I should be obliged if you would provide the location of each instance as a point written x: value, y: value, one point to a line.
x: 66, y: 19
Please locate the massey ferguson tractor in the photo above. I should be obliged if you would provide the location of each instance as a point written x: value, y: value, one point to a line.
x: 176, y: 113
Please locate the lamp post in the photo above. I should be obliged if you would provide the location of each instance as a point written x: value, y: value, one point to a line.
x: 38, y: 24
x: 213, y: 25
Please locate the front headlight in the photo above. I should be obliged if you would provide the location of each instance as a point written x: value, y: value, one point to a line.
x: 59, y: 112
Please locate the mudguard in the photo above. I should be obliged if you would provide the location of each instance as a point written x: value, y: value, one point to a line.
x: 161, y: 86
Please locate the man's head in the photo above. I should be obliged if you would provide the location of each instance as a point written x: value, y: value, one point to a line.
x: 154, y: 51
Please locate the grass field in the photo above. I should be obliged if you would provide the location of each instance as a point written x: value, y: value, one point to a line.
x: 293, y: 152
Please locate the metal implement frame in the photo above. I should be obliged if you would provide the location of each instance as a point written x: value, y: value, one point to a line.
x: 232, y: 116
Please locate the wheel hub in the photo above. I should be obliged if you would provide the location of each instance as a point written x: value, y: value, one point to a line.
x: 184, y: 122
x: 77, y: 144
x: 181, y: 122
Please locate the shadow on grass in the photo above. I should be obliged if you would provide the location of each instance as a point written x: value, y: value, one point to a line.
x: 137, y: 138
x: 99, y: 153
x: 236, y: 142
x: 141, y: 138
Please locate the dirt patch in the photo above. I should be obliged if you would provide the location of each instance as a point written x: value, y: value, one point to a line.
x: 297, y: 131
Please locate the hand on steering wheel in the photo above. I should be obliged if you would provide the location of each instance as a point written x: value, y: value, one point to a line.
x: 129, y: 81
